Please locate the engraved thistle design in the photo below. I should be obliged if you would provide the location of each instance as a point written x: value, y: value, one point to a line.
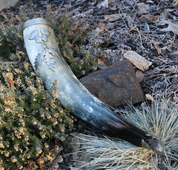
x: 47, y: 55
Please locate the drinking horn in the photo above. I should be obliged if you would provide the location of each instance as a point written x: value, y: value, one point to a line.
x: 50, y: 66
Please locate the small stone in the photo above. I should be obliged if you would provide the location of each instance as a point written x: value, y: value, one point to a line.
x: 115, y: 85
x: 140, y: 76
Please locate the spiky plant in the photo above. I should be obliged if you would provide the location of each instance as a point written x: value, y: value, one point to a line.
x: 161, y: 119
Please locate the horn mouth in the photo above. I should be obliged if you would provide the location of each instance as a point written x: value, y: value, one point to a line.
x: 36, y: 21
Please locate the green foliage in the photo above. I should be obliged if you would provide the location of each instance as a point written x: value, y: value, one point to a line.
x: 72, y: 46
x: 71, y: 43
x: 30, y: 117
x: 11, y: 42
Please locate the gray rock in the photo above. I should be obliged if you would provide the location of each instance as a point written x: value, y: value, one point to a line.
x: 7, y: 4
x: 115, y: 85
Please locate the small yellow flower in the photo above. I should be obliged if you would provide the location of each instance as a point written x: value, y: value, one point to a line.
x: 62, y: 139
x: 26, y: 137
x: 5, y: 33
x: 38, y: 150
x: 55, y: 123
x: 62, y: 129
x: 46, y: 145
x: 56, y: 115
x: 1, y: 168
x: 16, y: 147
x: 9, y: 100
x: 40, y: 88
x: 53, y: 105
x: 28, y: 156
x: 42, y: 114
x: 43, y: 136
x: 55, y: 94
x: 40, y: 127
x: 83, y: 72
x: 1, y: 162
x: 48, y: 116
x: 33, y: 74
x: 21, y: 167
x: 34, y: 99
x: 19, y: 35
x: 13, y: 159
x: 21, y: 129
x: 57, y: 148
x: 1, y: 151
x: 81, y: 62
x: 1, y: 145
x: 18, y: 136
x: 61, y: 110
x: 7, y: 109
x: 19, y: 115
x: 34, y: 121
x: 26, y: 65
x: 21, y: 120
x: 7, y: 154
x: 41, y: 161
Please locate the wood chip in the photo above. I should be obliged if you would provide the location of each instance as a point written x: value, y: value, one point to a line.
x: 137, y: 60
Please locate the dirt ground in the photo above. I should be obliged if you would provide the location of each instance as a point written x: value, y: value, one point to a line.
x: 114, y: 27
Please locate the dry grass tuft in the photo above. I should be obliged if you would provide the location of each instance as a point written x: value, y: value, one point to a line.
x: 161, y: 119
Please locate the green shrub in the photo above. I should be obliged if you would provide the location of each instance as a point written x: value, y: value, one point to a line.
x: 30, y: 117
x: 72, y: 46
